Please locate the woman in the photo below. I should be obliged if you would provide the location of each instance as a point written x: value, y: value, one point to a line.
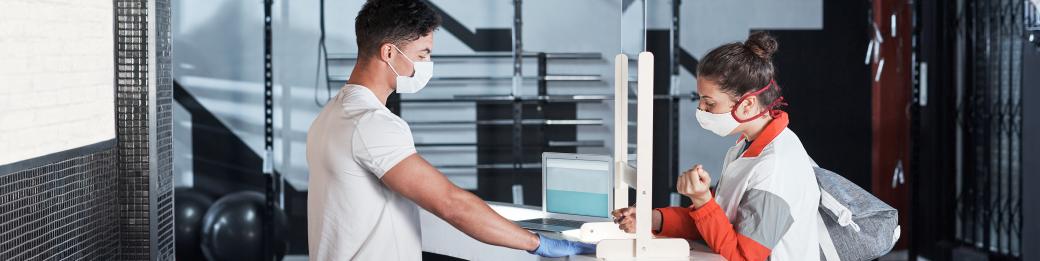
x: 765, y: 205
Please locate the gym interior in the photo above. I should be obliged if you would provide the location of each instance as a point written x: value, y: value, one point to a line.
x: 181, y: 130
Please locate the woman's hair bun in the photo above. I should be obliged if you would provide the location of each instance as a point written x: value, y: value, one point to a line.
x: 762, y: 44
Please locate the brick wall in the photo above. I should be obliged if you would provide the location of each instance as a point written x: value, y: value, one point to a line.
x: 56, y: 76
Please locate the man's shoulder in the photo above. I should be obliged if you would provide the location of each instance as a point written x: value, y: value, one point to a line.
x: 378, y: 117
x: 379, y: 123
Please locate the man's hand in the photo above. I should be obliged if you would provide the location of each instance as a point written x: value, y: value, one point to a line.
x: 696, y: 185
x: 551, y: 247
x: 626, y: 219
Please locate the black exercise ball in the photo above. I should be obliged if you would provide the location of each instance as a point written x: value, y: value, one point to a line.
x: 233, y: 228
x: 189, y: 206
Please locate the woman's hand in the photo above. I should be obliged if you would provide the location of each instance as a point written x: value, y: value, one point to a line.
x: 696, y: 185
x: 626, y: 219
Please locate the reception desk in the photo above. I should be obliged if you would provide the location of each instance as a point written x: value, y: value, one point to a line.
x: 441, y: 238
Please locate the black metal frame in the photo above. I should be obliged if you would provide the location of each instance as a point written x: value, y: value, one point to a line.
x: 518, y: 107
x: 1030, y: 232
x: 968, y: 144
x: 935, y: 28
x: 273, y: 179
x: 989, y: 210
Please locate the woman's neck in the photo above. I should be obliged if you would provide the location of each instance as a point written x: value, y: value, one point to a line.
x: 756, y: 126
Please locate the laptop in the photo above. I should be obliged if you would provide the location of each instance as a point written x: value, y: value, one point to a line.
x: 576, y: 188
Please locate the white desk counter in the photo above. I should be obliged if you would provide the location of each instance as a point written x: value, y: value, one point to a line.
x: 441, y: 238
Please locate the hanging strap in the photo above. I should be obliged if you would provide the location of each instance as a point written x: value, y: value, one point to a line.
x: 843, y: 213
x: 826, y: 245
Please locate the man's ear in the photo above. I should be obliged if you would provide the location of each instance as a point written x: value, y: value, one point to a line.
x: 386, y: 52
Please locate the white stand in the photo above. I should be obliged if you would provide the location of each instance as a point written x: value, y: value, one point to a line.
x: 643, y: 246
x: 621, y: 184
x: 594, y: 232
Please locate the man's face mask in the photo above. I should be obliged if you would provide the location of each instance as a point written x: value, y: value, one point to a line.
x: 414, y: 83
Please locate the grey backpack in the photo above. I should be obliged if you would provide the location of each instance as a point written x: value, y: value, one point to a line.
x: 859, y: 226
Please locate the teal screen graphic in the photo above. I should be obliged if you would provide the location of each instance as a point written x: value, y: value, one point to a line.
x: 578, y: 187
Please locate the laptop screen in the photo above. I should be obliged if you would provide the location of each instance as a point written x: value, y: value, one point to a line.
x: 578, y: 187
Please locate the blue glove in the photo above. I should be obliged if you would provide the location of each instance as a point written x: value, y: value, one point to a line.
x: 551, y: 247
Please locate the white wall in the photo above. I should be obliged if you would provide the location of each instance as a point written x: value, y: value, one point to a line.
x: 56, y: 76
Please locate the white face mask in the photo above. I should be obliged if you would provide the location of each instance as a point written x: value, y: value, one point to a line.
x: 423, y: 73
x: 725, y: 123
x: 722, y: 124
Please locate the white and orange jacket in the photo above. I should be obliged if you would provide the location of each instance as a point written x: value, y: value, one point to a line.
x: 766, y: 203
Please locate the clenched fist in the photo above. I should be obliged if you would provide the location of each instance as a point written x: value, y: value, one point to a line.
x: 696, y: 185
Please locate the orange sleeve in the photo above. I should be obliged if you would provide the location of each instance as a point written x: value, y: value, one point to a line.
x: 676, y: 222
x: 714, y: 227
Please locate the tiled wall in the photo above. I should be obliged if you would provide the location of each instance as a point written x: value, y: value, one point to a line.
x: 61, y: 210
x: 163, y: 207
x: 146, y: 221
x: 108, y: 202
x: 132, y: 126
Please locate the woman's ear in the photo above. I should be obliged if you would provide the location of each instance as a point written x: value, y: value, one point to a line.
x: 747, y: 107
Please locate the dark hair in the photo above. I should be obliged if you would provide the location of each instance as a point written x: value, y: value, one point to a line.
x: 392, y: 21
x: 740, y: 68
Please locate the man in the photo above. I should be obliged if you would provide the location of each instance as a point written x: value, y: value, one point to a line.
x: 365, y: 175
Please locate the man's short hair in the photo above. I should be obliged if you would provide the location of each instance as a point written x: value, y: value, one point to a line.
x: 397, y: 22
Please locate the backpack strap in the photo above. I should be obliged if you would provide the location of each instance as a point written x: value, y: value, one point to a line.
x: 826, y: 244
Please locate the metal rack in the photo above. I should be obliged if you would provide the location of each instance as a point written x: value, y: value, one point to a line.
x: 517, y: 101
x: 543, y: 78
x: 490, y: 55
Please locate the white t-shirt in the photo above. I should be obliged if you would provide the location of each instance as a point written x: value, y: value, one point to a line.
x: 351, y: 215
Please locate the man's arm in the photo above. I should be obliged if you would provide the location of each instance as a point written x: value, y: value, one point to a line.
x: 419, y: 181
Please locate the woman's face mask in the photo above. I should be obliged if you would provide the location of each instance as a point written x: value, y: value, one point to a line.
x: 725, y: 123
x: 414, y: 83
x: 721, y: 124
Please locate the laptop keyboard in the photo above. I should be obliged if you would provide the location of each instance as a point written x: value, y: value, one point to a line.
x: 551, y: 222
